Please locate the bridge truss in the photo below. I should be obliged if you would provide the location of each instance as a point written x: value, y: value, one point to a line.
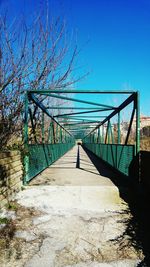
x: 56, y: 119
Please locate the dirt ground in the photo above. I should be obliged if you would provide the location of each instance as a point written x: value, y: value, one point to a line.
x: 69, y: 216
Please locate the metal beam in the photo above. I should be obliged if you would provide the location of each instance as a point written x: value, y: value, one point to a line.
x: 26, y: 158
x: 112, y: 134
x: 107, y: 133
x: 137, y: 105
x: 79, y: 91
x: 43, y: 130
x: 119, y: 133
x: 49, y: 133
x: 77, y: 130
x: 42, y: 107
x: 79, y: 123
x: 82, y: 127
x: 130, y: 125
x: 33, y: 126
x: 26, y: 119
x: 72, y: 108
x: 70, y: 114
x: 80, y: 101
x: 85, y: 117
x: 76, y: 120
x: 98, y: 136
x: 122, y: 106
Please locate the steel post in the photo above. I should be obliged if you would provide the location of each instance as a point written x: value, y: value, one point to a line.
x: 137, y: 122
x: 26, y: 157
x: 119, y: 135
x: 43, y: 130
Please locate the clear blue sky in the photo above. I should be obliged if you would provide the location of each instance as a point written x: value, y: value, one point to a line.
x: 118, y: 34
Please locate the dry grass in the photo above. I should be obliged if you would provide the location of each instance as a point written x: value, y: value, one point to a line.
x: 145, y: 144
x: 12, y: 248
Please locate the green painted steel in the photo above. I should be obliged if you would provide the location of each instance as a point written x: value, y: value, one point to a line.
x: 43, y: 129
x: 79, y: 91
x: 119, y: 135
x: 129, y: 100
x: 43, y: 108
x: 80, y: 101
x: 137, y: 122
x: 84, y: 112
x: 118, y: 156
x: 60, y: 129
x: 26, y: 158
x: 43, y: 155
x: 70, y: 108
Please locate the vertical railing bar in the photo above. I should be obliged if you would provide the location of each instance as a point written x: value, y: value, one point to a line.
x: 49, y: 132
x: 53, y: 129
x: 103, y: 134
x: 130, y: 125
x: 106, y: 134
x: 137, y: 99
x: 26, y: 157
x: 112, y: 134
x: 119, y: 133
x: 32, y: 124
x: 43, y: 128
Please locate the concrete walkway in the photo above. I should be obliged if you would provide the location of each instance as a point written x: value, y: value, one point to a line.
x: 74, y: 168
x: 84, y: 185
x: 83, y: 219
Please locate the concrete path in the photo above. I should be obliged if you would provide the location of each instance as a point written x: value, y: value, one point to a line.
x: 83, y: 219
x: 75, y: 168
x: 83, y: 185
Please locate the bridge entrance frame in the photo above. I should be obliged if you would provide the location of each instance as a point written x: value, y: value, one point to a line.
x: 65, y: 128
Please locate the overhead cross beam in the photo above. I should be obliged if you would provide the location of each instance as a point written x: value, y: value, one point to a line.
x: 80, y: 101
x: 123, y: 105
x: 77, y: 120
x: 75, y: 113
x: 86, y: 117
x: 80, y: 123
x: 73, y: 117
x: 61, y: 108
x: 79, y: 91
x: 42, y: 107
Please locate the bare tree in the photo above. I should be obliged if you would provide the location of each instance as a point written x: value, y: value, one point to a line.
x: 12, y: 46
x: 35, y: 55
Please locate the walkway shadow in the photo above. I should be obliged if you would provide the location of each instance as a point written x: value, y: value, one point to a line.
x: 137, y: 230
x: 78, y: 158
x: 105, y: 170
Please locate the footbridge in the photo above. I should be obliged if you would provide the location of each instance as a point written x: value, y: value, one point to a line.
x: 56, y: 120
x: 79, y: 148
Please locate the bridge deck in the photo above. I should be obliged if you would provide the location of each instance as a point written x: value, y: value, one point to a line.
x: 83, y: 218
x: 78, y: 167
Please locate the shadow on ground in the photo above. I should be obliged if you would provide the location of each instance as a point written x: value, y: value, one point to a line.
x: 137, y: 230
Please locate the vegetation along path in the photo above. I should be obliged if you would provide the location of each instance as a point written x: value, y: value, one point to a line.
x: 72, y: 214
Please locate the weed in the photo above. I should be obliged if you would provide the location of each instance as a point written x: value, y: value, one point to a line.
x: 11, y: 206
x: 23, y: 188
x: 4, y: 220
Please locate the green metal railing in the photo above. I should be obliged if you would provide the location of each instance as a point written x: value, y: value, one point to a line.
x: 39, y: 156
x: 118, y: 156
x: 42, y: 156
x: 101, y: 140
